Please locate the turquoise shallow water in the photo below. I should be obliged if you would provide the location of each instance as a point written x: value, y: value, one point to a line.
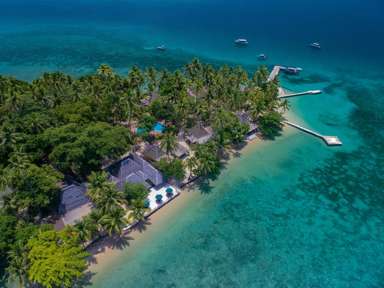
x: 293, y: 214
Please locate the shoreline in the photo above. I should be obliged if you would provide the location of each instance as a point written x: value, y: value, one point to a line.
x: 107, y: 251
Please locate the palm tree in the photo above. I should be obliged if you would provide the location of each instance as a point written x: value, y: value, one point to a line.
x: 114, y: 222
x: 35, y: 124
x: 94, y: 219
x: 136, y: 80
x: 284, y: 105
x: 207, y: 161
x: 14, y: 101
x: 151, y: 75
x: 182, y: 108
x: 168, y: 143
x: 52, y: 89
x: 5, y: 84
x: 179, y: 86
x: 260, y: 77
x: 104, y: 193
x: 9, y: 137
x: 128, y: 104
x: 191, y: 165
x: 18, y: 265
x: 86, y: 229
x: 105, y: 71
x: 138, y: 209
x: 256, y: 103
x: 194, y: 69
x: 19, y: 162
x: 111, y: 198
x: 96, y: 182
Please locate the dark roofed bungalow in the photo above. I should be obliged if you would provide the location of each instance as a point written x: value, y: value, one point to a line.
x: 153, y: 152
x: 199, y: 134
x: 181, y: 151
x: 135, y: 169
x: 245, y: 118
x: 74, y: 204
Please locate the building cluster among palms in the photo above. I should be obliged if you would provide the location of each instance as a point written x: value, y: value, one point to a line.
x: 58, y: 130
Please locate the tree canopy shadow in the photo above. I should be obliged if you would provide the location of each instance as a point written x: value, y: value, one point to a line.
x: 205, y: 186
x: 115, y: 242
x: 85, y: 280
x: 142, y: 226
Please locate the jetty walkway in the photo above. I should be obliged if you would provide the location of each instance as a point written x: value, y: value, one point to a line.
x: 309, y: 92
x: 329, y: 140
x: 275, y: 71
x: 277, y: 68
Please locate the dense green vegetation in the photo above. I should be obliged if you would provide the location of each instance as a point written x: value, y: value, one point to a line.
x: 205, y: 161
x: 56, y: 258
x: 59, y: 128
x: 133, y: 191
x: 172, y: 169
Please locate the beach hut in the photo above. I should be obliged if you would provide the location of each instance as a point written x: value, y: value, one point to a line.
x: 153, y: 152
x: 74, y: 204
x: 199, y: 135
x: 181, y: 151
x: 245, y: 118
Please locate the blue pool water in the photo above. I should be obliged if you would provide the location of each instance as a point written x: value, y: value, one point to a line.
x: 158, y: 128
x: 140, y: 131
x: 293, y: 213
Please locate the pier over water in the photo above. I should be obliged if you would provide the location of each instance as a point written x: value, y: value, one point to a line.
x: 309, y: 92
x: 275, y: 71
x: 329, y: 140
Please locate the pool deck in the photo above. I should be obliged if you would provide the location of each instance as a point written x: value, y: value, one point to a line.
x: 155, y: 205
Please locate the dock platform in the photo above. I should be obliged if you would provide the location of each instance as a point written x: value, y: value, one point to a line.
x: 275, y: 71
x: 329, y: 140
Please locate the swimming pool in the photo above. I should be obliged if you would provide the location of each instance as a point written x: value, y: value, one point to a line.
x: 158, y: 128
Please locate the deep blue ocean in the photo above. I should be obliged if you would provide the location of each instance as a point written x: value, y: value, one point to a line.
x: 291, y: 213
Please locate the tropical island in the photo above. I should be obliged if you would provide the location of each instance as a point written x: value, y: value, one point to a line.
x: 86, y: 158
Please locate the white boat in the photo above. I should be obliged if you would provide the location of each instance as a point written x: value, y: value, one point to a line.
x: 291, y: 70
x: 161, y: 48
x: 315, y: 45
x: 262, y: 57
x: 241, y: 42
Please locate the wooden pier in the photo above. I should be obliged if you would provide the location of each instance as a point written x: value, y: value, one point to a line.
x: 310, y: 92
x: 329, y: 140
x: 275, y: 71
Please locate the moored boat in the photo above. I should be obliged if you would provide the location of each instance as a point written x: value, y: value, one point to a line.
x: 161, y: 48
x: 241, y: 42
x: 291, y: 70
x: 262, y: 57
x: 315, y: 45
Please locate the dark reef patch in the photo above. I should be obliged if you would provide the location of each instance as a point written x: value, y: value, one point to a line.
x: 308, y: 79
x: 331, y: 88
